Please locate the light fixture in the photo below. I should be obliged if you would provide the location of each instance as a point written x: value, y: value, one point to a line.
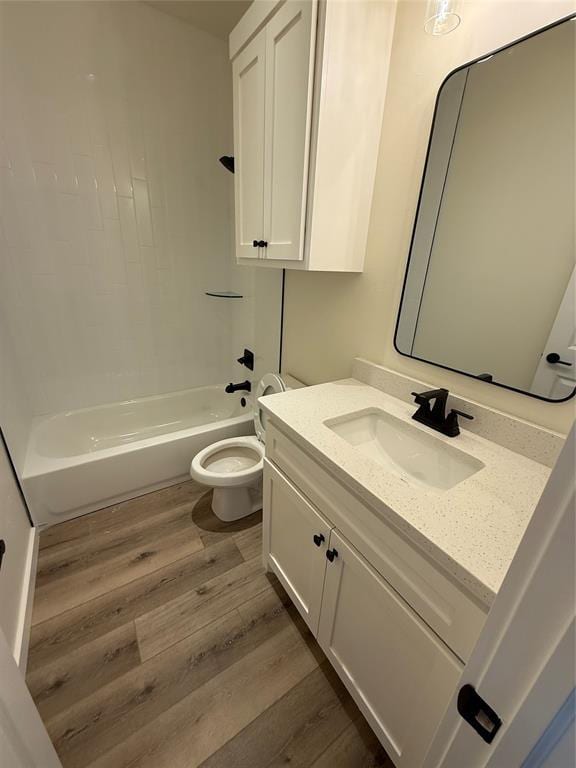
x: 442, y: 16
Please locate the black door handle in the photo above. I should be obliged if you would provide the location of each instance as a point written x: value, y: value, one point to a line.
x: 331, y: 554
x: 472, y: 708
x: 554, y: 358
x: 318, y: 539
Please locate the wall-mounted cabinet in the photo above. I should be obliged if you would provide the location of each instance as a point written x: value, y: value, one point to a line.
x: 307, y: 129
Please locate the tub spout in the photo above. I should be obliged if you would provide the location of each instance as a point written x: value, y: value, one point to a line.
x: 245, y: 386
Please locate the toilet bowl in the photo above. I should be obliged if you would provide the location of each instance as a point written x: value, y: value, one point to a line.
x: 233, y: 467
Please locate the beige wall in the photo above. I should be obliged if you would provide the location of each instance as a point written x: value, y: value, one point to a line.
x: 331, y: 318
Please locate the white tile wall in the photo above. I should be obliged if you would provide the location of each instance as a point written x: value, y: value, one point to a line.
x: 15, y: 409
x: 115, y: 215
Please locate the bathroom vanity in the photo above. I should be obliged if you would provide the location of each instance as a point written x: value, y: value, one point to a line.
x: 392, y: 561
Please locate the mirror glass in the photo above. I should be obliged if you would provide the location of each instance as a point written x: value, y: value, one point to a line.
x: 490, y: 286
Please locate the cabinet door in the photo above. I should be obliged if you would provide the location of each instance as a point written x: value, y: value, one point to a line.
x: 295, y: 541
x: 248, y: 73
x: 290, y: 36
x: 400, y: 674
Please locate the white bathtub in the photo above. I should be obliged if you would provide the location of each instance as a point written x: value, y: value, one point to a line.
x: 82, y: 460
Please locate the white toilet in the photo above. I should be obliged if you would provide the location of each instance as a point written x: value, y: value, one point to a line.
x: 233, y: 467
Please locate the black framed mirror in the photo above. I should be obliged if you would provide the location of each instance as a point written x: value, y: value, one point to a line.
x: 489, y: 289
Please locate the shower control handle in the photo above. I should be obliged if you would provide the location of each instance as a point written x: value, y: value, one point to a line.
x: 247, y: 359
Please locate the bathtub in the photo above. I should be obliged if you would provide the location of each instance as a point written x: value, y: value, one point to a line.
x: 80, y: 461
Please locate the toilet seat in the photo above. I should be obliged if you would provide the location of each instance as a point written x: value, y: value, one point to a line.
x: 234, y: 467
x: 234, y: 461
x: 269, y: 384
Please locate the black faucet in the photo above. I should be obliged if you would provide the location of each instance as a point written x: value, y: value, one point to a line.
x: 436, y: 417
x: 243, y: 386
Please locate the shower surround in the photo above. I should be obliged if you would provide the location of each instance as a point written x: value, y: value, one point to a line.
x: 115, y: 214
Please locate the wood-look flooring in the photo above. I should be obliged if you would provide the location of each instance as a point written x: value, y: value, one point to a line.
x: 159, y: 640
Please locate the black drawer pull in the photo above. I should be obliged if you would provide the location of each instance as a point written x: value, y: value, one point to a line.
x: 318, y: 539
x: 331, y: 554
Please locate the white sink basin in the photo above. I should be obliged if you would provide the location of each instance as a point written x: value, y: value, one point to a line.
x: 417, y: 457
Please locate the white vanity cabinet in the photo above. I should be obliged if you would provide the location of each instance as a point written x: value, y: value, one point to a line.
x: 307, y: 129
x: 395, y: 628
x: 401, y: 675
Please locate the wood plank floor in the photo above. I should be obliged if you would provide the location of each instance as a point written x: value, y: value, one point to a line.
x: 159, y: 640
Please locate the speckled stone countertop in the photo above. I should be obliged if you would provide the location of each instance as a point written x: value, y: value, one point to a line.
x: 472, y: 530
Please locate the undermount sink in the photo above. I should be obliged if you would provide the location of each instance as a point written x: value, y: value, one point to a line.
x: 408, y: 452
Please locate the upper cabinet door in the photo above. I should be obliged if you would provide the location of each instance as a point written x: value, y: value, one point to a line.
x: 307, y: 157
x: 249, y: 78
x: 290, y: 36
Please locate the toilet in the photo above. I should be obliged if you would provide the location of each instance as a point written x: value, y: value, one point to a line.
x: 233, y: 467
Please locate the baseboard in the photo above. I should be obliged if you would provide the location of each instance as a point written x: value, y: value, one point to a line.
x: 22, y: 640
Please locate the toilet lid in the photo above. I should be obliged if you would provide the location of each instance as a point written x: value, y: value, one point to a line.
x: 270, y: 384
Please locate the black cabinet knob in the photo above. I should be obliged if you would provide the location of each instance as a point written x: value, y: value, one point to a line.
x: 331, y: 554
x: 318, y: 539
x: 554, y: 358
x: 255, y: 243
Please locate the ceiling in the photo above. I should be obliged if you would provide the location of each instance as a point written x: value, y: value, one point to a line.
x: 218, y: 17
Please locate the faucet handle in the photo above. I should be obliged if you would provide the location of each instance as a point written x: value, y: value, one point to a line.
x: 422, y: 403
x: 451, y: 427
x: 461, y: 413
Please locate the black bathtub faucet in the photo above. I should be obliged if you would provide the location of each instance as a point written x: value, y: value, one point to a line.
x: 244, y: 386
